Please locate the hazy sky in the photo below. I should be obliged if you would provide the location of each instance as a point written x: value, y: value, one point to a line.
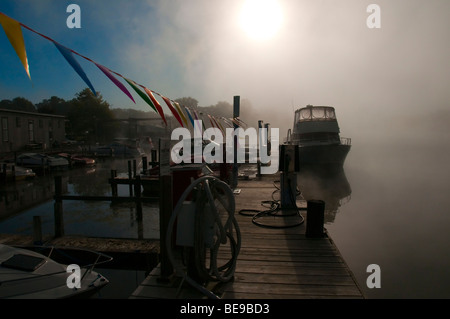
x: 323, y: 53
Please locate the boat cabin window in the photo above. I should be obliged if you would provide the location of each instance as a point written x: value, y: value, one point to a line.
x: 317, y: 113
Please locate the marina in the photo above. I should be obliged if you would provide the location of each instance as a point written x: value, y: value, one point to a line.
x: 273, y: 262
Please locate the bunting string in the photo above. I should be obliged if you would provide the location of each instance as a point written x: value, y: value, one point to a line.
x: 183, y: 114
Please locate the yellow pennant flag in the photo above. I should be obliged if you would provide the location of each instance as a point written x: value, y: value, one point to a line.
x: 14, y: 33
x: 181, y: 113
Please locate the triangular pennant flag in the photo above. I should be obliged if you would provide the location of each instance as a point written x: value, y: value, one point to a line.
x: 181, y: 113
x: 218, y: 124
x: 211, y: 121
x: 234, y: 120
x: 241, y: 122
x: 14, y: 33
x: 67, y: 54
x: 227, y: 122
x: 172, y: 109
x: 196, y: 117
x: 156, y: 104
x: 189, y: 115
x: 115, y: 81
x: 140, y: 93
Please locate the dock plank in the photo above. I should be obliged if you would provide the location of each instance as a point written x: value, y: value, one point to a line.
x: 273, y: 263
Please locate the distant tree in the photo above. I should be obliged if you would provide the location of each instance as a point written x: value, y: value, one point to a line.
x: 6, y: 104
x: 18, y: 104
x: 188, y: 101
x: 91, y: 118
x: 54, y: 105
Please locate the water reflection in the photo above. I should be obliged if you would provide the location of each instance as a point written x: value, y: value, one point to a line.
x: 327, y: 183
x: 20, y: 201
x: 19, y: 196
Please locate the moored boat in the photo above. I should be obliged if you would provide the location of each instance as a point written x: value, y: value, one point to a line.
x: 26, y: 274
x: 42, y: 161
x: 13, y: 172
x: 317, y: 134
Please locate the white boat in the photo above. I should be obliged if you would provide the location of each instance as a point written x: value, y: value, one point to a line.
x: 42, y: 161
x: 316, y: 132
x: 26, y: 274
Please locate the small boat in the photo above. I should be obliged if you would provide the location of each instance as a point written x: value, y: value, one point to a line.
x: 77, y: 160
x: 117, y: 150
x: 42, y: 161
x: 316, y: 132
x: 16, y: 173
x: 27, y: 274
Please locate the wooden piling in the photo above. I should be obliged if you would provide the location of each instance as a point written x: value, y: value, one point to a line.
x: 137, y: 193
x: 236, y: 112
x: 315, y: 219
x: 130, y: 177
x: 37, y: 230
x: 144, y: 164
x: 114, y: 190
x: 58, y: 208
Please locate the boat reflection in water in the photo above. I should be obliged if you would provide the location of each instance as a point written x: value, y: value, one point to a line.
x: 325, y: 182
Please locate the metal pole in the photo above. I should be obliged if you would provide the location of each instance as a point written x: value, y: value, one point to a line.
x: 236, y: 112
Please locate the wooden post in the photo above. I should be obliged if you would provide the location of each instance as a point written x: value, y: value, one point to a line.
x: 258, y: 174
x: 58, y: 208
x: 236, y: 112
x: 137, y: 194
x: 37, y: 230
x: 154, y: 160
x: 114, y: 191
x: 134, y: 168
x: 144, y: 164
x: 3, y: 173
x: 165, y: 206
x: 129, y: 179
x: 315, y: 219
x: 43, y: 166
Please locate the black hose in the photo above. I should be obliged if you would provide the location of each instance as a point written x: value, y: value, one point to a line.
x: 274, y: 210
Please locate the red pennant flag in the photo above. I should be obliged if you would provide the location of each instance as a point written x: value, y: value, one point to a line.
x: 172, y: 109
x: 156, y: 104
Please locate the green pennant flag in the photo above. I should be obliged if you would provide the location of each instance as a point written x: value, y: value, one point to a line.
x: 141, y: 94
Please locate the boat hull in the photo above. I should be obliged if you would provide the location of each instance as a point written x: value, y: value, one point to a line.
x: 323, y: 154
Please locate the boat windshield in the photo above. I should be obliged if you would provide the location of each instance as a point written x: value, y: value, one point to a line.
x: 317, y: 113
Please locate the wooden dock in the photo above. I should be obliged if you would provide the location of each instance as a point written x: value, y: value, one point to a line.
x: 127, y: 253
x: 273, y: 263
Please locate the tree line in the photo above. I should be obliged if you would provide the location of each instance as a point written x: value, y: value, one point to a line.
x: 91, y: 118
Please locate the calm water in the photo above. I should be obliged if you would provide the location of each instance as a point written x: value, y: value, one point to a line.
x: 398, y: 217
x: 394, y: 212
x: 82, y: 218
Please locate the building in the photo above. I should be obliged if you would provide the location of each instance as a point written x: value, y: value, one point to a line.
x: 20, y: 130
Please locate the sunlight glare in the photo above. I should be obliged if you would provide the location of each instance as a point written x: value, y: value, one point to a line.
x: 261, y: 19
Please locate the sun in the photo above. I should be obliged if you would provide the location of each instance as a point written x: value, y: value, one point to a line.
x: 261, y: 19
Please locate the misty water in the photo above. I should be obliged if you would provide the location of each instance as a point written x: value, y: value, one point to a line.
x: 398, y: 216
x: 392, y: 210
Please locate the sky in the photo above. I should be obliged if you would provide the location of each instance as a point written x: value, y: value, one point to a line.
x: 319, y: 52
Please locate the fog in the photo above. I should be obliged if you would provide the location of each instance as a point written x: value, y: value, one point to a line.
x: 390, y: 88
x: 324, y: 54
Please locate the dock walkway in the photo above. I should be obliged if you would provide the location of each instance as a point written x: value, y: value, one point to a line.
x: 273, y: 263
